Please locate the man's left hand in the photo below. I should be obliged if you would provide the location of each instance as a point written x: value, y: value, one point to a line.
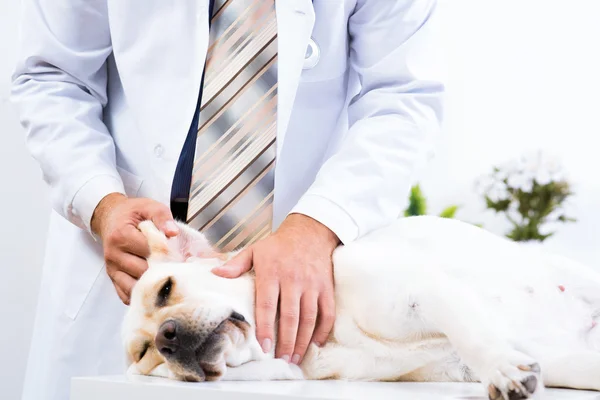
x: 294, y: 272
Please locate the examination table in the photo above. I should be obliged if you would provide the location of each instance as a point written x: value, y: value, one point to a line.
x: 148, y: 388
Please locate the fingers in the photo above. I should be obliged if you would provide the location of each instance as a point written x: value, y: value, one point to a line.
x: 123, y: 284
x: 126, y: 239
x: 124, y: 298
x: 289, y: 315
x: 134, y: 242
x: 125, y: 259
x: 131, y: 265
x: 162, y: 217
x: 238, y: 265
x: 125, y: 247
x: 326, y: 317
x: 308, y: 319
x: 267, y: 296
x: 170, y: 228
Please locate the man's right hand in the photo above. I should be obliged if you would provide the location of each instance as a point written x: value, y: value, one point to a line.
x: 115, y: 220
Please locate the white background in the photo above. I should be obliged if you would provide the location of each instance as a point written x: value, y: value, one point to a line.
x: 24, y: 209
x: 523, y: 75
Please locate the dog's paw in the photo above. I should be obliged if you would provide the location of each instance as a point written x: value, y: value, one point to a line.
x: 316, y: 364
x: 265, y: 370
x: 513, y: 377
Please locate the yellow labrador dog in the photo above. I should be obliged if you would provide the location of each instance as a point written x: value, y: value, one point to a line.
x: 424, y: 299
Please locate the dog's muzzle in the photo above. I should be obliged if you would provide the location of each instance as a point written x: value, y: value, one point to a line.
x: 194, y: 351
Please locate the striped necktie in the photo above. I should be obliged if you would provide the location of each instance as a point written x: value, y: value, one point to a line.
x: 231, y: 195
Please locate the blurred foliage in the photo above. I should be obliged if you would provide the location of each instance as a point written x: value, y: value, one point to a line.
x: 534, y: 207
x: 531, y: 193
x: 417, y: 205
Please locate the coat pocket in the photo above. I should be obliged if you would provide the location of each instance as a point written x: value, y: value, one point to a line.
x: 73, y: 262
x: 82, y: 259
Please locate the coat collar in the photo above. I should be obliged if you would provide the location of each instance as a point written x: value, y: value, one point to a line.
x: 295, y: 21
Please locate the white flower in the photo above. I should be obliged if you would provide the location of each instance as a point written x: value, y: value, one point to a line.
x: 497, y: 191
x: 543, y: 169
x: 513, y: 211
x: 531, y: 168
x: 527, y: 187
x: 520, y: 181
x: 543, y: 177
x: 501, y: 174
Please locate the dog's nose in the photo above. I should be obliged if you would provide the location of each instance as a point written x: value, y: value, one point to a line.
x: 167, y: 341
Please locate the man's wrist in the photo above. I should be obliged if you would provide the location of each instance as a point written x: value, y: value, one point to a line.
x: 314, y: 227
x: 108, y: 203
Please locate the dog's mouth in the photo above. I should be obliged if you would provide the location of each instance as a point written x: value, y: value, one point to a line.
x: 195, y: 355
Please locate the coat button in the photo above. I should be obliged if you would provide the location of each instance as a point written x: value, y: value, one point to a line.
x: 158, y: 150
x: 312, y: 55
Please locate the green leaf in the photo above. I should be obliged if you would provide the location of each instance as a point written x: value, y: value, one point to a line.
x: 417, y: 204
x: 564, y: 218
x: 449, y: 212
x: 498, y: 206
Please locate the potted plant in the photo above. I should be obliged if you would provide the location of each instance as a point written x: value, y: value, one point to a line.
x: 531, y: 192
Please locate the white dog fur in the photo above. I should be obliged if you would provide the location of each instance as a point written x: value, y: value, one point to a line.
x: 424, y: 299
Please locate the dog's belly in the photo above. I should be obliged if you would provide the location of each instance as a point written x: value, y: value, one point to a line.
x: 530, y: 297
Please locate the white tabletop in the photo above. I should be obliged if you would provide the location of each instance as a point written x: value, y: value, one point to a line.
x: 147, y: 388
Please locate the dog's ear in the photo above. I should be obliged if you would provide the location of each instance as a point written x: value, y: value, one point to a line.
x: 190, y: 243
x: 187, y: 244
x: 157, y: 241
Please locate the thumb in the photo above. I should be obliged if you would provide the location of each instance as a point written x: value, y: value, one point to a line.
x: 163, y: 219
x: 238, y: 265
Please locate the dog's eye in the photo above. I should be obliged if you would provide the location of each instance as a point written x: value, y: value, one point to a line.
x: 144, y: 350
x: 164, y: 293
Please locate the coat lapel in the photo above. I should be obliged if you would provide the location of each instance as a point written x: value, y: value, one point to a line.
x: 295, y: 21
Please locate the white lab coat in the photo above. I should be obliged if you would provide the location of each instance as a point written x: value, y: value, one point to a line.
x: 107, y: 88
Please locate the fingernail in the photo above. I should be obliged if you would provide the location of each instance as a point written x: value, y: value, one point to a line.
x: 286, y: 358
x: 296, y: 359
x: 266, y: 345
x: 171, y: 226
x: 317, y: 344
x: 220, y: 271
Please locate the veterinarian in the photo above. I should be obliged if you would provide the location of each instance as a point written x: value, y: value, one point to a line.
x: 142, y: 109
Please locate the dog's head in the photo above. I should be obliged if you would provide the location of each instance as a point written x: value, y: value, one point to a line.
x: 184, y: 322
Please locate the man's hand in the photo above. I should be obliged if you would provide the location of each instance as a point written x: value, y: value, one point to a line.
x: 115, y: 220
x: 292, y: 266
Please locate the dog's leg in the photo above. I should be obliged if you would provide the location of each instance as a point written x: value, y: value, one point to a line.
x: 264, y: 370
x: 376, y: 362
x: 455, y: 310
x: 575, y: 371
